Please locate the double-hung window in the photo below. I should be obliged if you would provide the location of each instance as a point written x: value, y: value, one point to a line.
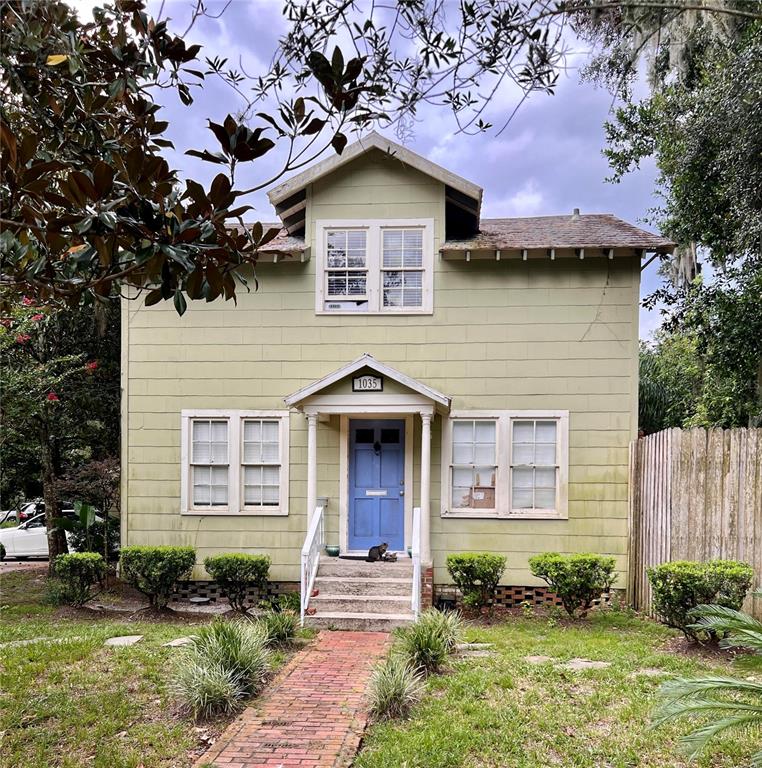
x: 234, y: 462
x: 505, y: 464
x: 375, y: 267
x: 210, y: 470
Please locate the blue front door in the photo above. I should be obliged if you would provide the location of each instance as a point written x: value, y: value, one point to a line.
x: 376, y: 484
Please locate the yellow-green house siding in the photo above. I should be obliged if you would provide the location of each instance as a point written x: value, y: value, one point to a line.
x: 507, y: 334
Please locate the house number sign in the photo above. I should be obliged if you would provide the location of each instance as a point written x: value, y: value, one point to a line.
x: 368, y: 384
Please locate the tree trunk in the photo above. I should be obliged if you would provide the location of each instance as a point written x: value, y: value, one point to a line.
x: 56, y: 536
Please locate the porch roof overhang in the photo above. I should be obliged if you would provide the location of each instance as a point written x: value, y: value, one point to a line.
x: 425, y: 394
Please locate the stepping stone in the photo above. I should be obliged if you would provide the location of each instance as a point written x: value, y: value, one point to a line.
x: 33, y: 640
x: 178, y: 642
x: 472, y: 646
x: 538, y: 659
x: 648, y: 672
x: 124, y: 640
x: 477, y: 653
x: 199, y: 600
x: 577, y: 665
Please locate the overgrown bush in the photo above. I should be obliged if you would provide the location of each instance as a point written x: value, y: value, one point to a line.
x: 288, y: 601
x: 679, y: 587
x: 395, y: 687
x: 477, y: 575
x: 236, y: 573
x: 279, y: 627
x: 226, y: 662
x: 426, y: 644
x: 78, y: 572
x: 155, y: 571
x: 577, y: 579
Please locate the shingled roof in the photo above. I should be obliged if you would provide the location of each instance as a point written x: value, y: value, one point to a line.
x: 590, y: 230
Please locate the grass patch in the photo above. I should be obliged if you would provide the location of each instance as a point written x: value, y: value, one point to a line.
x: 501, y: 711
x: 76, y: 703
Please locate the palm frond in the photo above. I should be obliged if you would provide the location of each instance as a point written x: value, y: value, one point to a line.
x: 697, y: 739
x: 683, y: 688
x: 742, y: 630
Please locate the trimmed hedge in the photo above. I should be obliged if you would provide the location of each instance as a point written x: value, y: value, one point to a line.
x: 477, y: 575
x: 679, y: 587
x: 577, y: 579
x: 154, y: 571
x: 236, y: 572
x: 78, y: 572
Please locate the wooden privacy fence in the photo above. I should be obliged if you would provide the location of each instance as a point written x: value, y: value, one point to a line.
x: 695, y: 494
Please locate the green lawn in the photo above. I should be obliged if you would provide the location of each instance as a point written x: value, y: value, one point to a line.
x: 78, y: 703
x: 503, y: 712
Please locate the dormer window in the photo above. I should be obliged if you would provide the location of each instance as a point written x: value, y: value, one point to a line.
x: 375, y: 267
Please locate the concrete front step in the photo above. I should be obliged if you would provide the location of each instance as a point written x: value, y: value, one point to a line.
x: 333, y: 566
x: 359, y: 622
x: 376, y: 604
x: 362, y: 585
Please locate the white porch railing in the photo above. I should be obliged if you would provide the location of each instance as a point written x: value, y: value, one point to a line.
x: 415, y: 550
x: 313, y: 546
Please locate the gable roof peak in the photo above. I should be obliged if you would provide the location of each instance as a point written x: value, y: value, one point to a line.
x: 364, y: 144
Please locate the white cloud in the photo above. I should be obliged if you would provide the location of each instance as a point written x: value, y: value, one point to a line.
x: 527, y: 201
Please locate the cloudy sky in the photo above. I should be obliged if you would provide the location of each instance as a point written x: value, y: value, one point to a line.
x: 547, y: 161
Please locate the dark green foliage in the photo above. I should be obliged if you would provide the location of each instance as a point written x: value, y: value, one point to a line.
x: 477, y: 575
x: 577, y: 579
x: 97, y: 539
x: 78, y: 573
x: 2, y: 551
x: 679, y: 587
x: 288, y: 601
x: 236, y: 573
x: 155, y: 570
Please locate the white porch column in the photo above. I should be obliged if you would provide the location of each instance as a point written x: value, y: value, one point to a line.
x: 426, y: 488
x: 312, y: 421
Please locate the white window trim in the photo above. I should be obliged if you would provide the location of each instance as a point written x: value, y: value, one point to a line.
x: 374, y: 229
x: 235, y: 419
x: 503, y: 449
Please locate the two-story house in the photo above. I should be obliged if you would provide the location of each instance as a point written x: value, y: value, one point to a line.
x: 407, y: 372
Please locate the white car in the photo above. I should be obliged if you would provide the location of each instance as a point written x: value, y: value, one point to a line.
x: 30, y: 539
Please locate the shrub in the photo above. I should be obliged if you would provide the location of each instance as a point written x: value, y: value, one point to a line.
x: 577, y: 579
x: 679, y: 587
x: 279, y: 627
x: 427, y: 642
x: 78, y: 572
x: 205, y: 688
x: 240, y: 647
x: 395, y: 687
x: 236, y: 573
x: 155, y: 570
x: 477, y: 575
x: 288, y: 601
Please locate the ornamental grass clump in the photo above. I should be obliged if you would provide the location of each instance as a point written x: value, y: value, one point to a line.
x: 155, y: 571
x: 78, y: 573
x: 578, y: 580
x: 677, y: 588
x: 426, y: 644
x: 237, y: 573
x: 395, y: 687
x: 226, y: 662
x: 278, y: 627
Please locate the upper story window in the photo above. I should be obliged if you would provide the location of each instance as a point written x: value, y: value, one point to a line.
x: 506, y: 464
x: 234, y: 462
x: 375, y: 267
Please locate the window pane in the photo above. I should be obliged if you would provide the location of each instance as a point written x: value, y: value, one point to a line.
x: 462, y: 454
x: 523, y: 431
x: 462, y: 476
x: 523, y: 453
x: 546, y: 431
x: 209, y: 442
x: 523, y: 477
x: 545, y: 499
x: 484, y: 476
x: 364, y: 436
x: 412, y: 295
x: 462, y: 431
x: 545, y: 453
x: 545, y: 478
x: 390, y: 436
x: 522, y: 498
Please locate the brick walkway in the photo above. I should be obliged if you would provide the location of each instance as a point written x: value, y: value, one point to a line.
x: 313, y: 716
